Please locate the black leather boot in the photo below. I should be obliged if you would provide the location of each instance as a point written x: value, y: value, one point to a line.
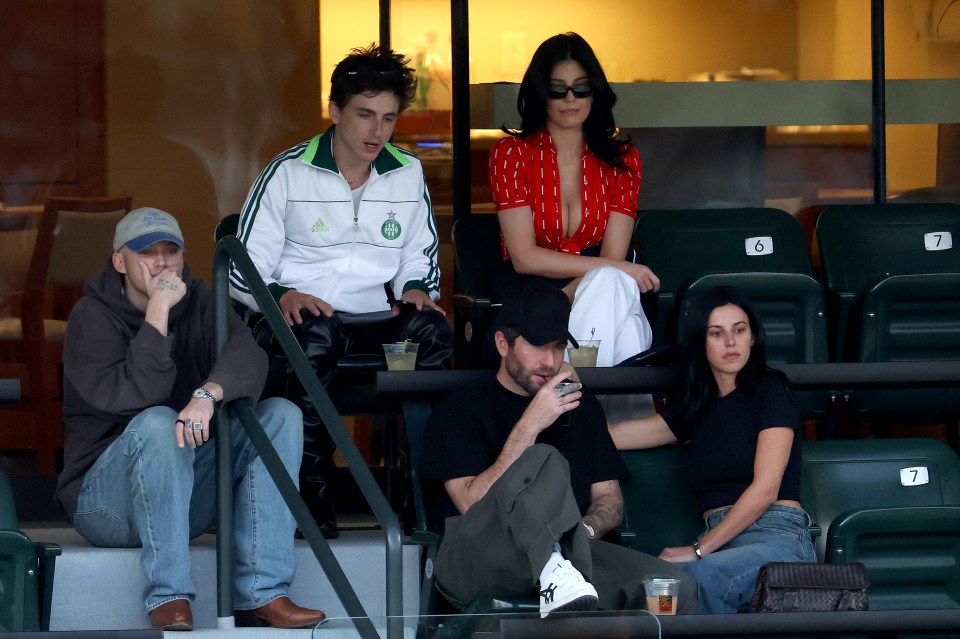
x: 318, y: 475
x: 318, y: 336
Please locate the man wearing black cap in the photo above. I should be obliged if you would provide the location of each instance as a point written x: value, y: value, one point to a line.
x: 140, y: 385
x: 528, y: 479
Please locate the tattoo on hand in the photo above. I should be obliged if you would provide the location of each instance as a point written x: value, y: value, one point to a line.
x: 168, y: 285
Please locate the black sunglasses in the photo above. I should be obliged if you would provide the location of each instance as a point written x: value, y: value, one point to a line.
x: 579, y: 91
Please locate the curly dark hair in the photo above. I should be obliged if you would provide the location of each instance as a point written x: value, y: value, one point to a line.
x: 372, y: 70
x: 599, y: 129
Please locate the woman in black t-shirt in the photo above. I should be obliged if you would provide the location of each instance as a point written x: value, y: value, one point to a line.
x: 744, y: 431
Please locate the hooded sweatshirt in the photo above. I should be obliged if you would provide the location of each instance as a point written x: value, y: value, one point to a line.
x: 115, y: 366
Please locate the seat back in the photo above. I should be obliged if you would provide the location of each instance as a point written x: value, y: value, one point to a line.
x: 476, y: 253
x: 227, y: 226
x: 18, y: 232
x: 659, y: 501
x: 73, y: 243
x: 863, y: 243
x: 847, y: 475
x: 910, y: 318
x: 683, y: 245
x: 790, y: 306
x: 893, y: 505
x: 477, y: 258
x: 22, y: 596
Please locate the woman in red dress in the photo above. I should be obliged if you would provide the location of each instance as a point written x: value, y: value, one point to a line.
x: 565, y: 189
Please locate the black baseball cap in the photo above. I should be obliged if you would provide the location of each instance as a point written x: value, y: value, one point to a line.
x: 539, y: 312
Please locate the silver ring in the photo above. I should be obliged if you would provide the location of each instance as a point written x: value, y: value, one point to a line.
x: 197, y: 425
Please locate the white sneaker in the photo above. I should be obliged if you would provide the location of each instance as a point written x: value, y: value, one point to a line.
x: 566, y: 590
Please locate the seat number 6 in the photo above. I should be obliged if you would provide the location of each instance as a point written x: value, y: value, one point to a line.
x: 759, y: 245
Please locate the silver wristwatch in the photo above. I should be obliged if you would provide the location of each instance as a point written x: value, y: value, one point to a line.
x: 203, y: 393
x: 589, y: 528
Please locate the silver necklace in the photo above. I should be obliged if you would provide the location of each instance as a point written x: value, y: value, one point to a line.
x: 359, y: 177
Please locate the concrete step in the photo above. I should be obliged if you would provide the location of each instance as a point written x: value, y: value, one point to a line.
x: 101, y: 588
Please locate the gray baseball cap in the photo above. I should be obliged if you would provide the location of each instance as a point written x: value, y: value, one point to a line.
x: 144, y: 227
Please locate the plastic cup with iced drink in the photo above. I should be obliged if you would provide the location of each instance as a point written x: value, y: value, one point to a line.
x: 401, y: 356
x: 661, y: 594
x: 586, y: 355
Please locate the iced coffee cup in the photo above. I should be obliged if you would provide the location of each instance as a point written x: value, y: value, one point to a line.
x: 586, y: 355
x: 661, y: 594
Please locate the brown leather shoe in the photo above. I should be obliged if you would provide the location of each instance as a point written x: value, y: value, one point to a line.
x: 173, y: 615
x: 279, y: 613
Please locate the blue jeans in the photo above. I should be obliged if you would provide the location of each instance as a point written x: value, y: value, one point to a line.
x: 144, y: 491
x: 727, y: 576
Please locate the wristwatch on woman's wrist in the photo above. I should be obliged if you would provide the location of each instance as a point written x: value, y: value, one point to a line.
x: 696, y: 549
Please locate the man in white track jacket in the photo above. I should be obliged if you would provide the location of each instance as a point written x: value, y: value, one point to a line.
x: 342, y: 230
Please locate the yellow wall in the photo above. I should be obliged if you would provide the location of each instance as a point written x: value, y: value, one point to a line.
x: 634, y: 39
x: 911, y: 149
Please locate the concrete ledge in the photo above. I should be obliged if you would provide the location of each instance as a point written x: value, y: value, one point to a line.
x: 102, y: 588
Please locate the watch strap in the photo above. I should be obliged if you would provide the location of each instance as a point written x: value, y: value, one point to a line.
x: 204, y: 394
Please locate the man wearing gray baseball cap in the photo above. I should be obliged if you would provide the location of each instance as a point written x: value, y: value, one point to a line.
x: 140, y: 386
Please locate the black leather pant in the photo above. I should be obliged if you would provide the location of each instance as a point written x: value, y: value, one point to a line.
x: 324, y: 340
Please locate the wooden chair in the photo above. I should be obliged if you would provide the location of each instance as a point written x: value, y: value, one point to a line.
x: 73, y: 241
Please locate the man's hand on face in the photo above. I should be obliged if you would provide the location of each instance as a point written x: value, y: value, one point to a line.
x: 420, y: 300
x: 293, y: 301
x: 548, y: 404
x: 166, y: 287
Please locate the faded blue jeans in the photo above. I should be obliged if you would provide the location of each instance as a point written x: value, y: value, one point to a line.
x: 727, y: 576
x: 144, y: 491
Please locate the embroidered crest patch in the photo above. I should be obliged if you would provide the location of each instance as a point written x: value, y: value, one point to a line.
x: 391, y: 228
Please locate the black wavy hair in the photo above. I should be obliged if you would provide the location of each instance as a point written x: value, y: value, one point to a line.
x: 697, y: 379
x: 373, y: 69
x: 599, y: 130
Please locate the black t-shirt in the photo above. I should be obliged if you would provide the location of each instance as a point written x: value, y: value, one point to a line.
x: 468, y: 428
x: 723, y: 441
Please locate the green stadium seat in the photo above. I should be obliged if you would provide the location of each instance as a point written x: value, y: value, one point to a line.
x: 861, y: 244
x: 659, y: 500
x: 911, y: 318
x: 681, y: 246
x: 894, y: 505
x: 26, y: 572
x: 892, y: 277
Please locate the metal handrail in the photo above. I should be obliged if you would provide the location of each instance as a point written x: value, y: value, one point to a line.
x: 230, y: 248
